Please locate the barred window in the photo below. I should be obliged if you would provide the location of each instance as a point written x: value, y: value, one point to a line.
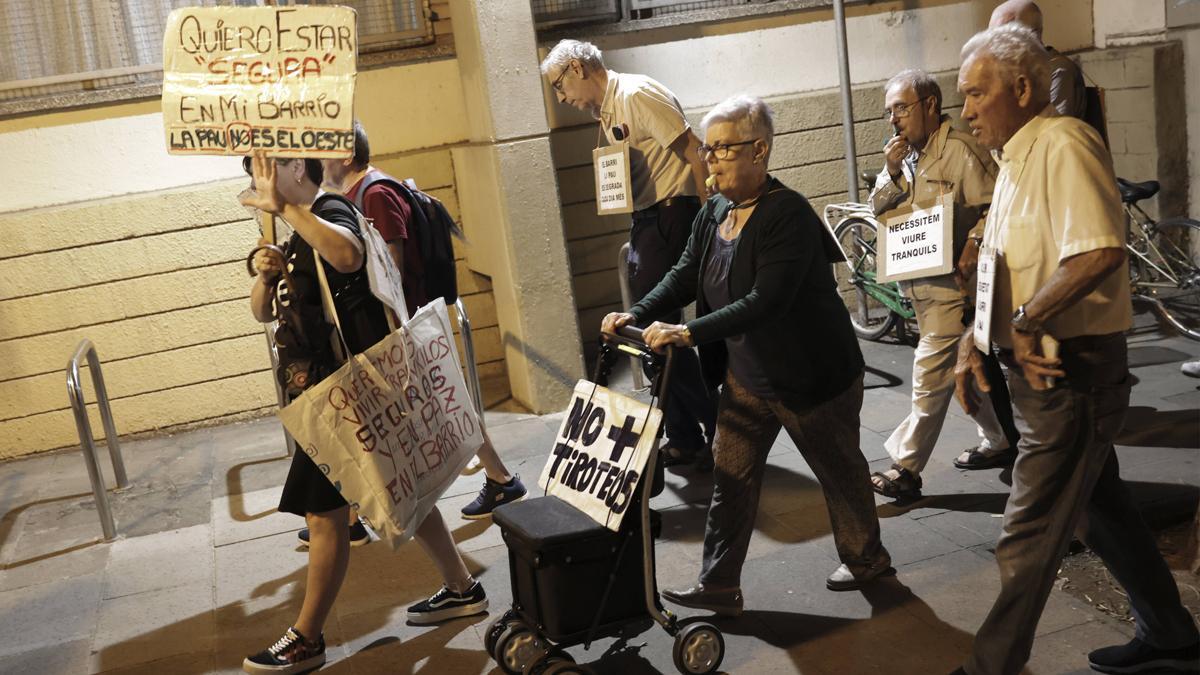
x: 63, y: 46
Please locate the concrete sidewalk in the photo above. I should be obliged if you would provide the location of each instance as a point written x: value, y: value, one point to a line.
x: 206, y: 571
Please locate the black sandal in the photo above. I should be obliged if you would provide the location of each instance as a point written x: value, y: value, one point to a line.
x: 904, y: 486
x: 977, y: 459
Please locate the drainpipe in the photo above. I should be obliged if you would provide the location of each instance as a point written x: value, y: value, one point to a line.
x: 839, y: 23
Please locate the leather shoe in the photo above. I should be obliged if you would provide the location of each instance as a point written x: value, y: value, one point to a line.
x: 843, y: 579
x: 726, y: 602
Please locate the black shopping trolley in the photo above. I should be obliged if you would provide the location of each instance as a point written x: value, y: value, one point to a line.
x: 575, y: 581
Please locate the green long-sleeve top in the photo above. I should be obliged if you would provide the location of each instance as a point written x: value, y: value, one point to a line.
x: 784, y: 299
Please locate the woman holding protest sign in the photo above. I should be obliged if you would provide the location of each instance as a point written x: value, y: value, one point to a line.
x: 758, y: 267
x: 288, y: 289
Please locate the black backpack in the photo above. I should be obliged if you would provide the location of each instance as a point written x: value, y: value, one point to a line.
x: 433, y: 227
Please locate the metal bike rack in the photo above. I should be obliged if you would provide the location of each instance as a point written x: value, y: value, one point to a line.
x: 464, y: 327
x: 84, y: 426
x: 280, y: 394
x: 639, y: 381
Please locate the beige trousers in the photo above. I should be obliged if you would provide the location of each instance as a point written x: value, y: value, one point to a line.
x: 939, y: 315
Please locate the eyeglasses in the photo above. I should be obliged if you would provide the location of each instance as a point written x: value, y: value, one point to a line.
x: 557, y: 84
x: 721, y: 151
x: 901, y: 110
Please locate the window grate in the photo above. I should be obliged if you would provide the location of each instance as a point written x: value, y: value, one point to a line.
x: 63, y: 46
x: 548, y: 13
x: 644, y: 9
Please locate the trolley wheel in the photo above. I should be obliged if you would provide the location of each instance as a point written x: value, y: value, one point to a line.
x: 516, y: 647
x: 493, y: 631
x: 699, y: 649
x: 551, y: 661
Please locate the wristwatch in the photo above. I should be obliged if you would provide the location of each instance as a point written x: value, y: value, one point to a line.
x: 1022, y: 323
x: 687, y: 335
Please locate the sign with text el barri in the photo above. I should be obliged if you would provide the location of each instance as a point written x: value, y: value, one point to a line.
x: 600, y: 452
x: 278, y: 79
x: 614, y: 188
x: 917, y: 243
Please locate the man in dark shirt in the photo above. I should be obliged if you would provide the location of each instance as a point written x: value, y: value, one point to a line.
x: 391, y: 214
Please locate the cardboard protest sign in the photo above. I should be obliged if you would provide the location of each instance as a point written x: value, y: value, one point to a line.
x: 393, y: 427
x: 601, y: 452
x: 917, y: 242
x: 279, y: 79
x: 614, y: 188
x: 985, y: 289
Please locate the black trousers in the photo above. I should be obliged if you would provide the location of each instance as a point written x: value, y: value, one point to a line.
x: 656, y: 240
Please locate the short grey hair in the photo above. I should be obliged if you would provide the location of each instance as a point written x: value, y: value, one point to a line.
x: 1018, y: 51
x: 750, y: 115
x: 585, y: 52
x: 921, y: 82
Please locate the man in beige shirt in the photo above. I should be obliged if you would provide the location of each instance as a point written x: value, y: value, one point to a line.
x: 668, y: 177
x: 1060, y: 280
x: 926, y: 159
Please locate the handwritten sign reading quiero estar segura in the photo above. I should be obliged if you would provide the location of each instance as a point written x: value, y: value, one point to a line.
x: 918, y: 242
x: 279, y: 79
x: 613, y: 185
x: 600, y: 452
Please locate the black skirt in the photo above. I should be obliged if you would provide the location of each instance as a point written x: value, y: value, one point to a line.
x: 307, y: 488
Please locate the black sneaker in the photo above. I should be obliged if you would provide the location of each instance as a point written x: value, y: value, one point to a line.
x: 1138, y: 657
x: 494, y: 494
x: 293, y: 653
x: 446, y: 604
x: 358, y: 535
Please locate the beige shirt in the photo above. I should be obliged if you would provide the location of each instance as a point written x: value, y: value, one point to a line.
x: 952, y: 162
x: 1056, y: 197
x: 654, y: 120
x: 1067, y: 93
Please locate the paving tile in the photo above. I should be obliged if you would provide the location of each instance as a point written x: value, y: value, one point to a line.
x: 158, y: 561
x: 82, y: 560
x: 263, y: 572
x: 1066, y: 651
x: 241, y: 517
x: 247, y: 474
x: 55, y: 526
x: 380, y: 641
x: 54, y: 658
x: 49, y: 614
x: 167, y: 506
x: 137, y: 629
x: 199, y: 663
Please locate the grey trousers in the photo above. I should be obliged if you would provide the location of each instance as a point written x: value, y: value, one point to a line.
x: 1066, y: 471
x: 827, y: 436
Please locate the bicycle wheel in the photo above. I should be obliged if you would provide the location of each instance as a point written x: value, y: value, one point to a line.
x: 870, y: 317
x: 1164, y: 272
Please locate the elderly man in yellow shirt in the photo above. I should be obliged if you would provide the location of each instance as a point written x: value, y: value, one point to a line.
x: 1053, y: 278
x: 925, y: 159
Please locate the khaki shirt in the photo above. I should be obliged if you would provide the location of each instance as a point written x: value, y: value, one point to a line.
x: 654, y: 120
x: 954, y: 163
x: 1056, y: 197
x: 1067, y: 93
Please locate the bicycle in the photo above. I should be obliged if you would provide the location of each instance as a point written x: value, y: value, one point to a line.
x: 875, y: 307
x: 1162, y: 271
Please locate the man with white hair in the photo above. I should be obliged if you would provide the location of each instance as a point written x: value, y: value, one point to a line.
x: 668, y: 178
x: 1056, y: 305
x: 1067, y: 89
x: 925, y: 159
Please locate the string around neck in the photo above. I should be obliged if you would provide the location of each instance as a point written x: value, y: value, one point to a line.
x: 762, y: 191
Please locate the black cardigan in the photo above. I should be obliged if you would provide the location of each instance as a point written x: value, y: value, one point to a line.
x: 785, y: 299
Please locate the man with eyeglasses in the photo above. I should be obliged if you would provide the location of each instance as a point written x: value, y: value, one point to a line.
x: 925, y: 159
x: 668, y: 176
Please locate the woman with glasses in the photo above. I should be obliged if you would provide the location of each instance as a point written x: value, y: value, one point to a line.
x: 773, y: 332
